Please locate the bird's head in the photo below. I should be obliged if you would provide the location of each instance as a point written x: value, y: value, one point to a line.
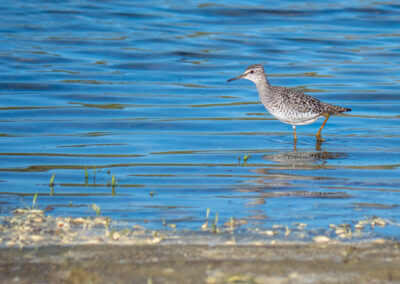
x: 254, y: 73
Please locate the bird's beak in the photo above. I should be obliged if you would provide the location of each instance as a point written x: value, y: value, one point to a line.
x: 238, y: 77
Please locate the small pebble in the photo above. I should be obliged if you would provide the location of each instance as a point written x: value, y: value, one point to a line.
x: 204, y: 226
x: 36, y: 238
x: 78, y: 221
x: 168, y: 270
x: 358, y: 226
x: 116, y: 236
x: 19, y: 211
x: 321, y: 239
x: 100, y: 221
x: 138, y: 227
x: 380, y: 222
x: 269, y: 233
x: 379, y: 241
x: 172, y: 226
x: 38, y: 220
x: 340, y: 231
x: 301, y: 226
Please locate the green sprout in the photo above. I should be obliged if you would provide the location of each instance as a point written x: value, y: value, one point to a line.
x: 205, y: 225
x: 34, y: 200
x: 245, y: 158
x: 51, y: 184
x: 52, y: 180
x: 96, y: 208
x: 113, y: 184
x: 112, y: 233
x: 214, y: 228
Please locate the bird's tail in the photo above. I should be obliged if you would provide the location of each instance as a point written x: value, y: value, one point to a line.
x: 346, y: 109
x: 337, y: 109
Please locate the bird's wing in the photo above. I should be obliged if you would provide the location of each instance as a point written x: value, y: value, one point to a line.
x: 302, y: 102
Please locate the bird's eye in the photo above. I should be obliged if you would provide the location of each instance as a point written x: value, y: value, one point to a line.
x: 252, y: 71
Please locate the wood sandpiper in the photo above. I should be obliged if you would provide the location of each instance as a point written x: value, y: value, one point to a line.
x: 289, y: 105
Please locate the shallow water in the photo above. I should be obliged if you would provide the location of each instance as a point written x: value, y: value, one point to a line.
x: 139, y: 91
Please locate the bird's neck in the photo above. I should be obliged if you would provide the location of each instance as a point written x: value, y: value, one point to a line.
x: 263, y: 86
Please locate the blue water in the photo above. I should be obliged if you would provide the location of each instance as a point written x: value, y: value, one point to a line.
x: 137, y: 89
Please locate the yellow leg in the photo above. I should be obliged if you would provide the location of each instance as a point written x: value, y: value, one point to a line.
x: 319, y: 138
x: 295, y: 138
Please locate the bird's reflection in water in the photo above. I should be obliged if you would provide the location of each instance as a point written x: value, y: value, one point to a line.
x: 304, y: 158
x: 279, y: 183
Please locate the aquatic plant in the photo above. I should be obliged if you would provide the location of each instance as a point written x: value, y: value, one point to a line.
x: 287, y: 231
x: 52, y: 180
x: 96, y: 208
x: 51, y: 183
x: 113, y: 185
x: 34, y: 204
x: 205, y: 225
x: 111, y: 234
x: 245, y: 158
x: 214, y: 224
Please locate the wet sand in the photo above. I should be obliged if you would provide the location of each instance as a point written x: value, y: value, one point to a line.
x: 162, y: 263
x: 36, y: 248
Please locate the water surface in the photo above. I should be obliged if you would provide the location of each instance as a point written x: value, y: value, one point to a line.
x: 138, y: 91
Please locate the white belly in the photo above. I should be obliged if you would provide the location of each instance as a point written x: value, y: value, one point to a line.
x: 298, y: 119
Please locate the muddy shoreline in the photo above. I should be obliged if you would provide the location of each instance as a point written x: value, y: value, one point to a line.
x: 366, y: 262
x: 36, y: 248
